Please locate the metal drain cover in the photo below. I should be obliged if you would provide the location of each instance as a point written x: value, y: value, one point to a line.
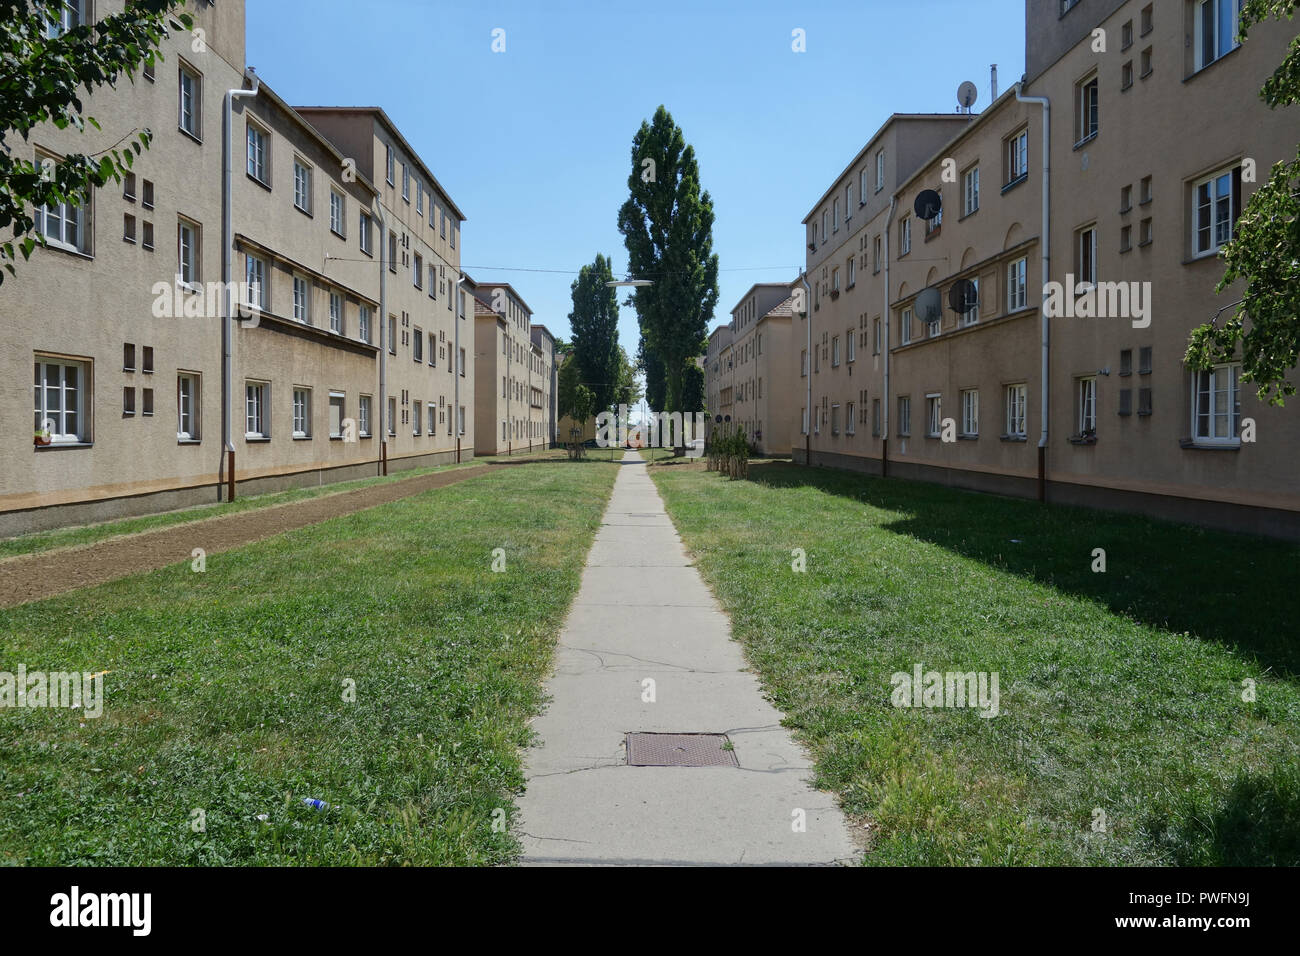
x: 679, y: 750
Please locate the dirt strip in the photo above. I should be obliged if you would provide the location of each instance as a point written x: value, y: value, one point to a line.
x: 42, y: 575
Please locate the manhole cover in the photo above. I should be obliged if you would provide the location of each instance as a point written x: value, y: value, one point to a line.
x: 680, y: 750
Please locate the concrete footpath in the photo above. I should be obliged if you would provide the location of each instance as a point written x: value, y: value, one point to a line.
x: 643, y: 612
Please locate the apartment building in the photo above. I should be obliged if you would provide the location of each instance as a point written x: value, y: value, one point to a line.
x: 122, y: 318
x: 746, y: 367
x: 427, y: 335
x: 549, y: 377
x: 1156, y: 136
x: 838, y: 360
x: 516, y: 369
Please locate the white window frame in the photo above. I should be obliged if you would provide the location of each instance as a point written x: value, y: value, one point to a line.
x: 1018, y: 156
x: 338, y: 214
x: 904, y: 415
x: 188, y: 394
x: 1207, y: 213
x: 905, y: 327
x: 189, y: 251
x: 302, y: 176
x: 1017, y: 421
x: 338, y: 400
x: 258, y: 152
x: 1017, y: 287
x: 1087, y: 401
x: 255, y: 288
x: 971, y: 191
x: 71, y: 224
x: 934, y: 414
x: 970, y: 412
x: 363, y: 416
x: 1217, y: 9
x: 302, y: 299
x: 336, y: 313
x: 256, y: 404
x: 1085, y: 250
x: 1087, y: 114
x: 301, y: 412
x: 905, y: 236
x: 76, y: 395
x: 189, y: 101
x: 391, y: 165
x: 364, y: 315
x: 972, y: 315
x: 367, y: 237
x: 1205, y: 388
x: 880, y: 170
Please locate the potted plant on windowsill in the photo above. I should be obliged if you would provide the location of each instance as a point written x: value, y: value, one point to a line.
x: 41, y: 438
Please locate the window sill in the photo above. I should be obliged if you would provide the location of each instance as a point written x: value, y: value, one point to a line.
x: 1086, y: 140
x: 52, y: 446
x: 261, y: 182
x: 1193, y: 444
x: 1144, y: 243
x: 1014, y: 183
x: 189, y: 441
x: 967, y: 437
x: 186, y: 133
x: 1082, y: 439
x: 1020, y: 439
x: 257, y: 439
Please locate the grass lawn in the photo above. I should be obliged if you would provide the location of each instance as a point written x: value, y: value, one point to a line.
x: 225, y: 690
x: 71, y: 537
x: 1122, y: 737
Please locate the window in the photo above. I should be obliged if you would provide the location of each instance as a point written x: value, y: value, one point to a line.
x: 302, y: 186
x: 1087, y: 406
x: 336, y: 313
x: 256, y: 425
x: 803, y: 421
x: 417, y: 351
x: 392, y: 252
x: 1144, y: 401
x: 848, y: 203
x: 1126, y: 35
x: 1216, y: 407
x: 460, y: 418
x: 853, y: 274
x: 363, y: 416
x: 1126, y: 198
x: 443, y: 223
x: 146, y: 402
x: 187, y: 407
x: 417, y: 271
x: 63, y: 223
x: 146, y: 200
x: 419, y: 197
x: 146, y: 236
x: 880, y: 170
x: 302, y: 413
x: 301, y: 300
x: 1146, y: 190
x: 417, y: 417
x: 146, y: 364
x: 875, y: 418
x: 878, y: 337
x: 835, y: 419
x: 433, y: 350
x: 876, y: 255
x: 69, y: 15
x: 835, y: 280
x: 433, y: 282
x: 257, y: 154
x: 1125, y: 402
x: 391, y: 164
x: 337, y: 414
x: 1125, y: 362
x: 58, y: 387
x: 971, y: 191
x: 1016, y: 287
x: 1146, y: 19
x: 392, y: 335
x: 433, y: 418
x: 1217, y: 202
x: 1126, y: 75
x: 1146, y: 236
x: 128, y: 357
x: 850, y: 420
x: 128, y: 401
x: 905, y: 236
x: 363, y: 323
x: 972, y: 313
x: 934, y: 324
x: 803, y: 363
x: 1146, y: 63
x: 1016, y: 411
x: 970, y: 412
x: 835, y: 351
x: 338, y: 213
x: 406, y: 182
x: 365, y: 234
x: 862, y: 186
x: 255, y: 282
x: 190, y: 102
x: 933, y: 415
x: 1144, y: 360
x: 1018, y: 156
x: 1086, y: 257
x: 1125, y: 238
x: 1216, y: 30
x: 835, y: 216
x: 825, y: 231
x: 1086, y: 108
x: 904, y: 415
x: 852, y: 341
x: 905, y: 327
x: 187, y: 252
x: 461, y: 368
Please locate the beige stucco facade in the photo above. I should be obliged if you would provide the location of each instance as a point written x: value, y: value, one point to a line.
x: 1128, y: 159
x: 135, y: 354
x: 514, y: 401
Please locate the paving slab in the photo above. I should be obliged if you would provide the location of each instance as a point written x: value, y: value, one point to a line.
x: 647, y: 648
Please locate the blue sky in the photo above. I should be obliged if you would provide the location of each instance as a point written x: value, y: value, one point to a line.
x: 544, y: 170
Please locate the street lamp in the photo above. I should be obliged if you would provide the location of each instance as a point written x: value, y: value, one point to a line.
x: 635, y: 283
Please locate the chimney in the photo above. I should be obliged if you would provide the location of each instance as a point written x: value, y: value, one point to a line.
x: 994, y: 81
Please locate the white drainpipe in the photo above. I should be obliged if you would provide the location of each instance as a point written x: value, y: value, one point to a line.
x: 888, y: 320
x: 807, y: 307
x: 383, y: 331
x: 227, y: 467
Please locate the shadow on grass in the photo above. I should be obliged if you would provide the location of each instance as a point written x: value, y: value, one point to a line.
x: 1257, y: 824
x: 1238, y: 590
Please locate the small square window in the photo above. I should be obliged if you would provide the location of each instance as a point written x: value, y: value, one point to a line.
x: 128, y: 357
x: 128, y: 228
x: 147, y: 356
x: 1144, y: 401
x: 146, y: 198
x: 1146, y: 63
x: 128, y: 401
x: 146, y: 236
x: 1144, y: 360
x: 146, y: 401
x: 1126, y: 362
x: 1126, y: 75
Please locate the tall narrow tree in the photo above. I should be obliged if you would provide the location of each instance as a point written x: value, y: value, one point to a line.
x: 594, y: 324
x: 667, y: 227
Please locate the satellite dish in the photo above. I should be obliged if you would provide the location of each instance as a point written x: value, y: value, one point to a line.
x: 928, y: 204
x: 929, y: 304
x: 966, y: 94
x: 963, y: 296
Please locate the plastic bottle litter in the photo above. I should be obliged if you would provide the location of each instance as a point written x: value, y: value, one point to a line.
x: 315, y: 804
